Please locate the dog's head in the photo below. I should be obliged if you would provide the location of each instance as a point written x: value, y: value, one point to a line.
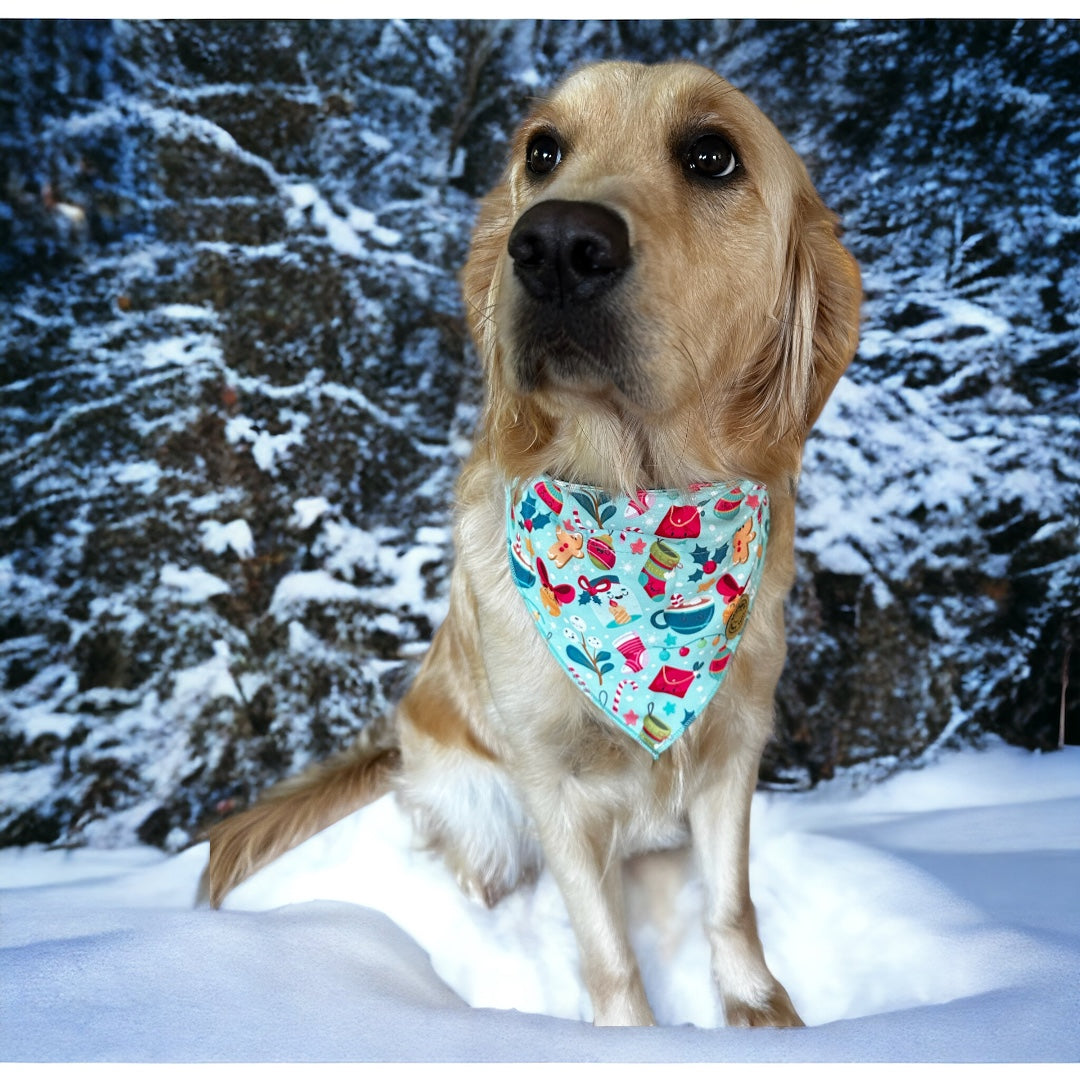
x: 656, y: 290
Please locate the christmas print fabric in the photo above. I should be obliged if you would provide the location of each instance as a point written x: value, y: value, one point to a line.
x: 643, y: 598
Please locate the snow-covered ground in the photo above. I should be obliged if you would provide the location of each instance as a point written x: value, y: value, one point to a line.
x: 929, y: 917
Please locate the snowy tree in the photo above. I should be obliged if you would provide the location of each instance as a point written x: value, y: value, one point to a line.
x: 235, y: 388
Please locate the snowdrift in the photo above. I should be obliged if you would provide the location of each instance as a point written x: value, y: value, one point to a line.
x: 931, y: 917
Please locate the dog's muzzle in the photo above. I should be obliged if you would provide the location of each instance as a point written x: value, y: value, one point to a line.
x: 568, y: 253
x: 571, y: 319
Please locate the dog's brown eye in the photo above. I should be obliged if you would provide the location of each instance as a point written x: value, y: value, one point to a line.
x: 710, y: 156
x: 542, y: 154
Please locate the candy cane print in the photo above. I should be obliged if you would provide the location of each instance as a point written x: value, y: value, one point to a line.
x: 580, y: 681
x: 618, y: 693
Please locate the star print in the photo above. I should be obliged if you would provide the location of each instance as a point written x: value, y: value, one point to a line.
x: 631, y: 717
x: 671, y: 640
x: 637, y: 547
x: 669, y: 708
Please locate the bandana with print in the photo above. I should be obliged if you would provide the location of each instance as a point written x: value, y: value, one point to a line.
x: 643, y: 598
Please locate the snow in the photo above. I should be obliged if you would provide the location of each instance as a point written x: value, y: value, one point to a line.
x: 145, y: 474
x: 284, y: 269
x: 307, y: 511
x: 305, y: 586
x: 195, y: 585
x: 208, y: 680
x: 181, y: 350
x: 341, y: 235
x: 957, y: 313
x: 266, y: 449
x: 930, y: 917
x: 218, y: 537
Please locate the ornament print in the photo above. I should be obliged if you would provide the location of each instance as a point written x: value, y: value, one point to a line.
x: 642, y: 598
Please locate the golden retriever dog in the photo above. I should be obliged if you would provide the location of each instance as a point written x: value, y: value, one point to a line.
x: 661, y: 305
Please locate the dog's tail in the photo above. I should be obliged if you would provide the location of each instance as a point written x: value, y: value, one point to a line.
x: 291, y: 812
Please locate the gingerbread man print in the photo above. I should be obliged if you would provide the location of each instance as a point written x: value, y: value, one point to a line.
x: 740, y: 542
x: 567, y: 546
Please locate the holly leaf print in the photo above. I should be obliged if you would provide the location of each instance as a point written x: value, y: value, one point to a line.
x: 577, y: 656
x: 585, y: 502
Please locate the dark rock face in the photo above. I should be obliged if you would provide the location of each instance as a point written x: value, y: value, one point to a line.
x: 235, y: 388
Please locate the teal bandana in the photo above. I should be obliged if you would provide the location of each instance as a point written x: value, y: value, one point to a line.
x: 641, y: 598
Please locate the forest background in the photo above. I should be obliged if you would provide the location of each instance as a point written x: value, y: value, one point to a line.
x: 235, y: 389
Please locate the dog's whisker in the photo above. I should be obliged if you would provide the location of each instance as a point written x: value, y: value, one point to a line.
x: 485, y: 313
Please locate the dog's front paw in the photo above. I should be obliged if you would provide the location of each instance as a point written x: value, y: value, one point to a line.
x: 775, y: 1011
x: 628, y: 1008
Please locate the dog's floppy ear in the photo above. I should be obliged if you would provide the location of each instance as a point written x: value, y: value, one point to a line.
x: 514, y: 427
x: 817, y: 331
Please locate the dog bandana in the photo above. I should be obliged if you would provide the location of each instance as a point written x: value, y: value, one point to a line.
x: 643, y: 598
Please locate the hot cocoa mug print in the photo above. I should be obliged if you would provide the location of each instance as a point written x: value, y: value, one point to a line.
x: 689, y: 616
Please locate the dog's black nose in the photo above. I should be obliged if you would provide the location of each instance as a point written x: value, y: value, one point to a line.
x: 568, y: 252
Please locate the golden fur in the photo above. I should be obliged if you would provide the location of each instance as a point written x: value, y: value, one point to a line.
x: 739, y: 314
